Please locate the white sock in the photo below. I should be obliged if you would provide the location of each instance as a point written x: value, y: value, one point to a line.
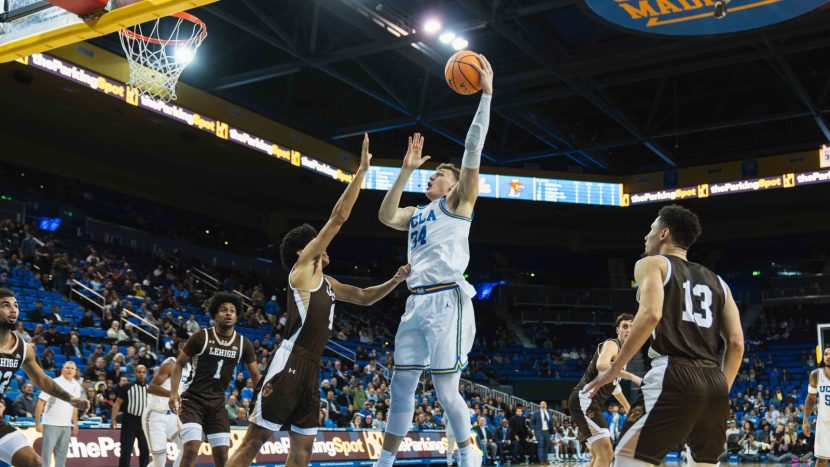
x: 159, y: 460
x: 464, y: 454
x: 386, y: 458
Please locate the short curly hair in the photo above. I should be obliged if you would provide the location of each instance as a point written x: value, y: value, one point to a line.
x: 219, y: 298
x: 684, y: 225
x: 295, y: 240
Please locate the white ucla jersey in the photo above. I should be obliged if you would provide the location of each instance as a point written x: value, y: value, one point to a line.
x: 158, y: 403
x: 439, y: 250
x: 823, y: 398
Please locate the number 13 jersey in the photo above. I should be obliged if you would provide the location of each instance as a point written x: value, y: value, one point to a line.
x: 692, y: 312
x: 439, y: 250
x: 214, y: 362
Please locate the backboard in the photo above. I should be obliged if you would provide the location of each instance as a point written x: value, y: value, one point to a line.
x: 35, y: 26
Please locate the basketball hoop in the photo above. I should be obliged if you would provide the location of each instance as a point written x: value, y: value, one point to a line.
x: 158, y: 58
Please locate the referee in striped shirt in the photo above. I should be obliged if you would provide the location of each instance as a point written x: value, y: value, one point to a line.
x: 133, y: 397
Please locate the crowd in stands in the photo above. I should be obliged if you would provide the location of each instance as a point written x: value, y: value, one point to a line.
x: 766, y: 401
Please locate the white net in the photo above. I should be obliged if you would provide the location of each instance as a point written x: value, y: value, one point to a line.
x: 159, y: 51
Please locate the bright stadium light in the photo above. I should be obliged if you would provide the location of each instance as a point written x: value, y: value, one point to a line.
x: 447, y: 37
x: 459, y: 43
x: 432, y: 26
x: 184, y: 54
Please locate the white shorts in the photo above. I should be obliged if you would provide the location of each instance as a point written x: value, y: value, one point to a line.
x: 821, y: 448
x: 158, y: 428
x: 10, y: 444
x: 436, y: 332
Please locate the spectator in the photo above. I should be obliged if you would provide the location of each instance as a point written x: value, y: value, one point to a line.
x: 54, y: 316
x: 192, y: 325
x: 241, y: 418
x: 749, y: 449
x: 36, y: 314
x: 380, y: 422
x: 486, y: 442
x: 52, y: 336
x: 22, y: 333
x: 47, y: 360
x: 232, y: 407
x: 780, y: 451
x: 73, y: 348
x: 26, y: 402
x: 97, y: 353
x: 87, y: 320
x: 97, y: 371
x: 116, y: 333
x: 357, y: 421
x: 504, y: 442
x: 248, y: 391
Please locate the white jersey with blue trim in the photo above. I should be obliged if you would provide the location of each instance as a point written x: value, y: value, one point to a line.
x: 160, y: 404
x: 439, y: 250
x: 823, y: 398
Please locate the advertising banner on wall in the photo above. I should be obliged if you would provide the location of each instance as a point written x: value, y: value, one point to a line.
x: 101, y: 448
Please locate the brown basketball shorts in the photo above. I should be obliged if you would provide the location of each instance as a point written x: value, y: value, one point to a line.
x: 680, y: 399
x: 210, y: 414
x: 289, y: 392
x: 588, y: 416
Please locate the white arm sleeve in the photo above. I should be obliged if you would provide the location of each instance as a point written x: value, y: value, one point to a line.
x: 812, y: 389
x: 474, y: 142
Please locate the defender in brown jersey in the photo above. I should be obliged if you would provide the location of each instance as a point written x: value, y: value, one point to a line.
x: 687, y: 310
x: 214, y: 353
x: 16, y: 354
x: 288, y: 396
x: 588, y: 412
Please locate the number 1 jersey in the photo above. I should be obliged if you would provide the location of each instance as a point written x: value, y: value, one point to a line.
x: 214, y: 362
x: 692, y: 312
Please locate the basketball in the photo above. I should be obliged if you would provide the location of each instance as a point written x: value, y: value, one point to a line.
x: 462, y: 77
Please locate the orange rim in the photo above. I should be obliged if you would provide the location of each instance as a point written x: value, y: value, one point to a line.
x: 182, y: 15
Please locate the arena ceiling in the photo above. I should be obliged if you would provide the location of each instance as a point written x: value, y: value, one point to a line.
x: 572, y: 93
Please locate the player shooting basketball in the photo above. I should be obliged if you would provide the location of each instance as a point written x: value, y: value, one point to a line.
x: 437, y: 331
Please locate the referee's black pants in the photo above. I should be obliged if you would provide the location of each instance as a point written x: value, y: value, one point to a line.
x: 130, y: 430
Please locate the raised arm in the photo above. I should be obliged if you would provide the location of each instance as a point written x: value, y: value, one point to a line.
x: 464, y: 195
x: 339, y: 215
x: 648, y: 273
x: 47, y: 384
x: 369, y: 295
x: 390, y: 213
x: 810, y: 403
x: 733, y: 336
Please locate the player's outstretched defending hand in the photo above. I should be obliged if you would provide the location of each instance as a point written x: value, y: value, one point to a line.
x: 80, y: 403
x: 601, y: 380
x: 486, y: 73
x: 402, y: 274
x: 365, y: 155
x: 413, y: 160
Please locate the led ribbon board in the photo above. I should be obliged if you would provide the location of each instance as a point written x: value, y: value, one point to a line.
x: 696, y: 17
x: 498, y: 186
x: 707, y: 190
